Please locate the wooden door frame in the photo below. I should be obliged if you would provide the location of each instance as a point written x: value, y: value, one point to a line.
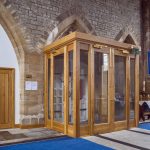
x: 131, y: 122
x: 50, y: 56
x: 46, y: 92
x: 68, y: 127
x: 84, y: 46
x: 12, y: 70
x: 60, y: 126
x: 123, y: 124
x: 100, y: 127
x: 134, y: 122
x: 137, y: 90
x: 76, y: 83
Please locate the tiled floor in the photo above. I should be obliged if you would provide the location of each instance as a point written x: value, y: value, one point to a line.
x: 8, y: 136
x: 133, y: 139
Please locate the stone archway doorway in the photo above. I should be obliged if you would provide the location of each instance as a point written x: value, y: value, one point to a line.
x: 12, y: 33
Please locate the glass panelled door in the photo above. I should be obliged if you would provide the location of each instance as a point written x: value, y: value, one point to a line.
x: 49, y: 88
x: 83, y: 86
x: 58, y: 95
x: 132, y: 88
x: 70, y: 86
x: 48, y: 84
x: 120, y: 88
x: 100, y: 87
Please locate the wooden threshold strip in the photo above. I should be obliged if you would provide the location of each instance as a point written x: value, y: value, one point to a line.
x: 121, y: 142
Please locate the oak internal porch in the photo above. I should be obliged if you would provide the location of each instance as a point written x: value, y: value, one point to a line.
x: 91, y: 85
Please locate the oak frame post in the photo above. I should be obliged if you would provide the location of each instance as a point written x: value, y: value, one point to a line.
x: 137, y: 90
x: 92, y: 90
x: 112, y: 90
x: 52, y: 90
x: 76, y: 87
x: 128, y: 91
x: 65, y: 89
x: 45, y: 88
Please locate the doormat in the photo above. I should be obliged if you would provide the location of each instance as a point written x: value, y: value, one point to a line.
x: 145, y: 126
x: 64, y: 143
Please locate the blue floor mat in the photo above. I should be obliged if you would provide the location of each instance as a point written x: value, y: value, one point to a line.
x: 65, y: 143
x: 144, y: 126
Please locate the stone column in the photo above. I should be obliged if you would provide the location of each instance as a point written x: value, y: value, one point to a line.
x: 146, y: 41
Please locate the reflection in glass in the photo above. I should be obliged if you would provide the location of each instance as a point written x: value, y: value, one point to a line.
x: 49, y: 76
x: 71, y: 87
x: 83, y: 86
x: 120, y: 85
x: 58, y: 88
x: 101, y: 87
x: 132, y: 88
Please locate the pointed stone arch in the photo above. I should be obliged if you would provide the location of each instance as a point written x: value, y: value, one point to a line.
x: 70, y: 24
x: 126, y: 35
x: 13, y: 31
x: 129, y: 40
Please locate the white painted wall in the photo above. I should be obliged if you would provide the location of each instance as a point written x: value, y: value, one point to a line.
x: 8, y: 59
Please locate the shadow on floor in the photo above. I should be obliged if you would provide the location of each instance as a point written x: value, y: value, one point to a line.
x: 11, y: 136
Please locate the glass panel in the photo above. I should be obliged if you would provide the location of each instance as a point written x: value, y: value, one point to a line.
x: 120, y: 86
x: 49, y: 76
x: 83, y: 86
x: 58, y: 88
x: 71, y: 87
x: 101, y: 87
x: 132, y: 88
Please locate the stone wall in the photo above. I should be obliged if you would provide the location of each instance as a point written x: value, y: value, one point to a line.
x: 107, y: 17
x: 33, y: 100
x: 36, y: 19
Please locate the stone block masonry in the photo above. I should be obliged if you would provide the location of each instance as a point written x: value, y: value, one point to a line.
x: 107, y: 17
x: 36, y: 19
